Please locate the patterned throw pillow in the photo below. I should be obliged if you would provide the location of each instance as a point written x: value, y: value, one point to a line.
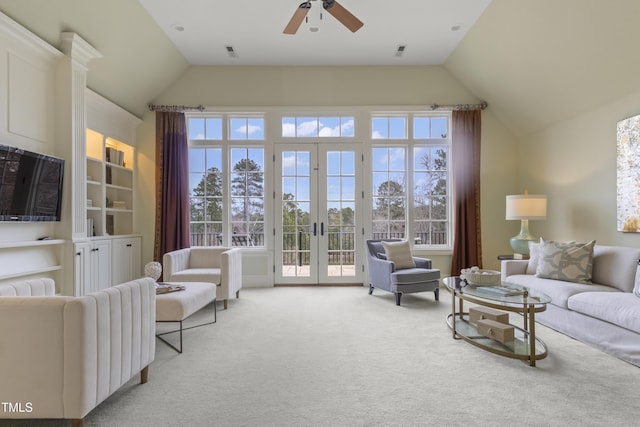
x: 399, y: 253
x: 567, y: 261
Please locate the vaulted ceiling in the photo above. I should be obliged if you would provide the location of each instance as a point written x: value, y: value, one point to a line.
x: 202, y: 30
x: 535, y: 62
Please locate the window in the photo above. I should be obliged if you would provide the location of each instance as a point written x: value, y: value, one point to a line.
x: 430, y: 195
x: 423, y: 214
x: 246, y: 128
x: 409, y: 167
x: 206, y: 200
x: 317, y: 127
x: 388, y: 175
x: 247, y: 196
x: 226, y: 211
x: 389, y: 127
x: 205, y: 128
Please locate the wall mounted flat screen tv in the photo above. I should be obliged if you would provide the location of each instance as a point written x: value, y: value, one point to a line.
x: 30, y: 185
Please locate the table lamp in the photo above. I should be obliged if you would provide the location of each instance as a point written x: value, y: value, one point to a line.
x: 525, y: 207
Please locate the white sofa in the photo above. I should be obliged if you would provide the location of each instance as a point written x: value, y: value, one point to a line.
x: 61, y: 356
x: 214, y: 264
x: 604, y: 313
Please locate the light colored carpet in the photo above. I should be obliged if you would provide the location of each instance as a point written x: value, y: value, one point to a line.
x: 332, y: 356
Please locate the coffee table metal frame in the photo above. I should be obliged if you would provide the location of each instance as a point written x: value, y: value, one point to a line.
x: 525, y: 345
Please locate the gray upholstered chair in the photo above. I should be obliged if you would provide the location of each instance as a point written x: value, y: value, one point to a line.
x: 384, y: 275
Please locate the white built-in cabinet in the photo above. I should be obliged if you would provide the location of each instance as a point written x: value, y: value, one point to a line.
x: 49, y: 109
x: 93, y: 266
x: 110, y: 251
x: 126, y: 259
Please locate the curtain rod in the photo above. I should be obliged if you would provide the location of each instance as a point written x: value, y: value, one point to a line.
x: 480, y: 106
x: 174, y: 108
x: 434, y: 107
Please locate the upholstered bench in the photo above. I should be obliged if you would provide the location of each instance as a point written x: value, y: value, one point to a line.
x: 178, y: 306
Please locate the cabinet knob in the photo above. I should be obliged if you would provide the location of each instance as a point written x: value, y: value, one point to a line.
x: 128, y: 245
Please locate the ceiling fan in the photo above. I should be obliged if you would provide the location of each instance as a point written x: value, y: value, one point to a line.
x: 345, y: 17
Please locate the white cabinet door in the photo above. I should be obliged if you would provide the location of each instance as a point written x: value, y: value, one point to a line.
x: 92, y: 264
x: 126, y: 259
x: 101, y: 264
x: 82, y: 266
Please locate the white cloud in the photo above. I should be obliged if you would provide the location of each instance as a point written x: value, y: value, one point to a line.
x: 347, y: 126
x: 251, y: 129
x: 396, y: 154
x: 288, y: 129
x: 290, y: 162
x: 342, y: 129
x: 307, y: 128
x: 327, y: 131
x: 248, y: 130
x: 377, y: 135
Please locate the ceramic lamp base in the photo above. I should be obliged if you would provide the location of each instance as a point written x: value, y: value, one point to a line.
x: 520, y: 243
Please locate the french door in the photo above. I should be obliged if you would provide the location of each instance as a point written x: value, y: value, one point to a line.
x: 318, y: 213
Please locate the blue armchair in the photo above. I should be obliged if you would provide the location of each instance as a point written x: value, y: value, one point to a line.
x: 383, y: 274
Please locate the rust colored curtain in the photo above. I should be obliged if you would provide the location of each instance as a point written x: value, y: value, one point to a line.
x: 465, y: 140
x: 172, y: 184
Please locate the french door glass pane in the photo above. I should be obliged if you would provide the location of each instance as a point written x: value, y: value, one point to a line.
x: 296, y: 207
x: 340, y: 213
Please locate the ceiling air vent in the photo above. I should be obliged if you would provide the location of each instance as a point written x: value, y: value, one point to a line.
x: 231, y: 52
x: 400, y: 50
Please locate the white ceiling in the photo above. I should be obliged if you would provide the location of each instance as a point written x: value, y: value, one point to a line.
x: 254, y: 30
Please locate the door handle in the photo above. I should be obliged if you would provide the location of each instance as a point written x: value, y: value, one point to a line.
x: 315, y: 228
x: 322, y: 228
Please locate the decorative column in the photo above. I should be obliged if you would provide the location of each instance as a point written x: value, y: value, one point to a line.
x: 71, y: 128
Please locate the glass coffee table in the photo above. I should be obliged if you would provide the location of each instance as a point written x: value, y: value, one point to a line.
x: 507, y: 297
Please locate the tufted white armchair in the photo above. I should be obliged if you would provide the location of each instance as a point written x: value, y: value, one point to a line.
x: 214, y: 264
x: 62, y: 356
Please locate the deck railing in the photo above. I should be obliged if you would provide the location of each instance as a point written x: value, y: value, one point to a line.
x: 296, y: 248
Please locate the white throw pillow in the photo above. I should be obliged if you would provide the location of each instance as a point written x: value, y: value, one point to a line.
x: 636, y: 289
x: 399, y: 253
x: 534, y: 254
x: 567, y: 261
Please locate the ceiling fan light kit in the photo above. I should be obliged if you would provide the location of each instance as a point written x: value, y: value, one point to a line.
x: 338, y: 11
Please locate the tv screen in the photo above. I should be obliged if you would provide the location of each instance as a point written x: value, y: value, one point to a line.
x: 30, y: 185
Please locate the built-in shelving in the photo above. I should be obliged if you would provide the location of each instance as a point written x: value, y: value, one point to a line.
x: 44, y: 257
x: 109, y: 183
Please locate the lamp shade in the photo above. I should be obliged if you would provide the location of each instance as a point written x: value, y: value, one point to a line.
x: 527, y: 206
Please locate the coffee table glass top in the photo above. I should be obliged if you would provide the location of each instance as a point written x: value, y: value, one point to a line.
x: 506, y: 293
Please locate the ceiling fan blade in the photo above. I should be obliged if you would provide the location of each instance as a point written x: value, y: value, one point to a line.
x: 297, y: 18
x: 343, y: 15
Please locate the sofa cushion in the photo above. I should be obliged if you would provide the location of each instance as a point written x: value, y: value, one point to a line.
x: 567, y: 261
x: 176, y: 306
x: 615, y: 266
x: 399, y: 253
x: 620, y: 308
x: 415, y: 275
x: 558, y: 291
x: 210, y: 275
x: 205, y: 257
